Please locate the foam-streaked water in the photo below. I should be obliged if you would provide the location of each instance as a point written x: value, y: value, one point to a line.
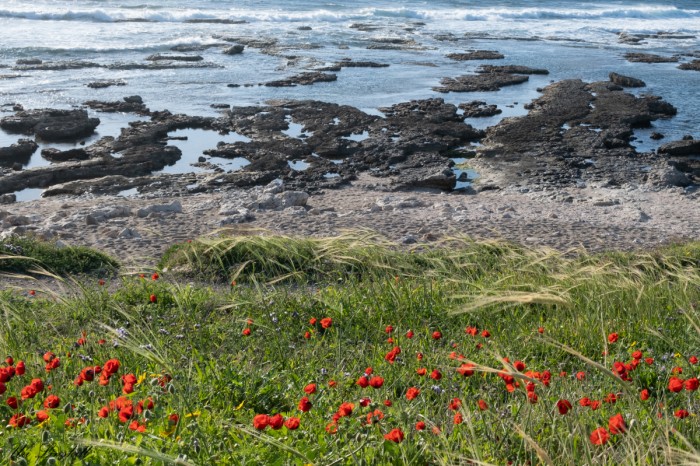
x: 570, y: 39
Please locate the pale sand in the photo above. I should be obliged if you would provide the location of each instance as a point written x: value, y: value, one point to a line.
x: 592, y: 218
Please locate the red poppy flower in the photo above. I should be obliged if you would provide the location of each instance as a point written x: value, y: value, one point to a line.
x: 692, y: 384
x: 48, y: 356
x: 345, y: 409
x: 128, y: 388
x: 153, y: 298
x: 693, y: 360
x: 455, y: 403
x: 276, y: 421
x: 471, y: 331
x: 307, y: 335
x: 332, y: 383
x: 28, y: 392
x: 482, y: 405
x: 364, y: 402
x: 292, y: 423
x: 466, y: 369
x: 312, y: 321
x: 435, y: 375
x: 599, y: 436
x: 616, y: 424
x: 585, y: 401
x: 3, y: 388
x: 137, y: 426
x: 103, y: 412
x: 20, y: 368
x: 326, y: 322
x: 387, y: 403
x: 19, y: 420
x: 391, y: 355
x: 675, y: 384
x: 310, y: 389
x: 613, y: 337
x: 421, y: 371
x: 411, y: 393
x: 261, y: 421
x: 395, y: 435
x: 458, y: 419
x: 87, y: 374
x: 419, y: 356
x: 485, y: 333
x: 637, y: 355
x: 374, y: 417
x: 532, y: 397
x: 610, y: 398
x: 389, y: 329
x: 51, y: 402
x: 363, y: 381
x: 42, y: 415
x: 563, y: 406
x: 409, y: 334
x: 436, y: 335
x: 644, y: 395
x: 420, y: 425
x: 125, y: 413
x: 376, y: 382
x: 332, y: 428
x: 111, y: 366
x: 519, y: 365
x: 173, y: 419
x: 246, y: 331
x: 304, y: 404
x: 540, y: 330
x: 649, y: 361
x: 595, y: 404
x: 580, y: 375
x: 681, y: 414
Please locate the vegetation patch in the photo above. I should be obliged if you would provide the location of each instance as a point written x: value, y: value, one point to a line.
x: 364, y: 354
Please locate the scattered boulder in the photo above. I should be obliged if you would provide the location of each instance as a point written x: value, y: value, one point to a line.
x: 97, y: 216
x: 130, y: 104
x: 20, y: 152
x: 174, y: 207
x: 8, y: 199
x: 168, y: 57
x: 56, y: 155
x: 479, y: 82
x: 29, y: 61
x: 683, y: 147
x: 510, y: 69
x: 234, y: 49
x: 476, y: 55
x: 304, y: 79
x: 637, y: 57
x: 478, y: 109
x: 626, y: 81
x: 51, y: 125
x: 693, y: 66
x: 107, y: 83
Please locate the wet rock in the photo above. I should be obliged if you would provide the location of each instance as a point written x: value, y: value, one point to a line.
x: 303, y: 79
x: 168, y: 57
x: 693, y: 65
x: 478, y: 109
x: 353, y: 64
x: 57, y: 66
x: 29, y: 61
x: 510, y: 69
x: 131, y: 104
x: 656, y: 136
x: 162, y: 65
x: 684, y: 147
x: 234, y: 50
x: 479, y: 82
x: 215, y: 21
x: 51, y: 125
x: 57, y: 155
x: 8, y: 199
x: 637, y: 57
x: 626, y: 81
x: 20, y: 152
x: 104, y: 84
x: 476, y: 55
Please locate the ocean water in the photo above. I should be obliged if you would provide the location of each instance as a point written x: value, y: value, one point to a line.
x: 569, y: 38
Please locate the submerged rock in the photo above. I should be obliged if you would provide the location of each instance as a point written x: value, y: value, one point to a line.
x: 476, y: 55
x: 20, y: 152
x: 626, y: 81
x: 479, y: 82
x: 51, y: 125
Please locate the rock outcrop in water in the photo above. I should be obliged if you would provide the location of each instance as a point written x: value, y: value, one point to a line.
x: 51, y: 125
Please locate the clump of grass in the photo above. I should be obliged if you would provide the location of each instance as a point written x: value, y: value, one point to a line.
x: 24, y: 254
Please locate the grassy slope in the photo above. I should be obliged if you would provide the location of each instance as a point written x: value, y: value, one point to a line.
x: 221, y: 378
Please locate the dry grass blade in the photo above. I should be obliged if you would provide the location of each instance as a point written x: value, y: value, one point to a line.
x: 271, y: 441
x: 133, y: 449
x: 513, y: 298
x: 541, y: 454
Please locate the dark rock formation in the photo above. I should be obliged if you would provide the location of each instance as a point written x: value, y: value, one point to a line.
x: 51, y: 125
x: 104, y: 84
x: 234, y: 49
x: 479, y: 108
x: 476, y: 55
x: 353, y: 64
x: 693, y: 65
x: 29, y: 61
x: 56, y: 66
x: 479, y: 82
x: 303, y: 79
x: 684, y: 147
x: 510, y: 69
x: 20, y: 152
x: 167, y: 57
x: 131, y: 104
x: 574, y: 131
x: 626, y: 81
x: 637, y: 57
x: 57, y: 155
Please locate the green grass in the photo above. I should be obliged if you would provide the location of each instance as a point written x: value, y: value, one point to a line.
x: 21, y: 254
x: 218, y: 379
